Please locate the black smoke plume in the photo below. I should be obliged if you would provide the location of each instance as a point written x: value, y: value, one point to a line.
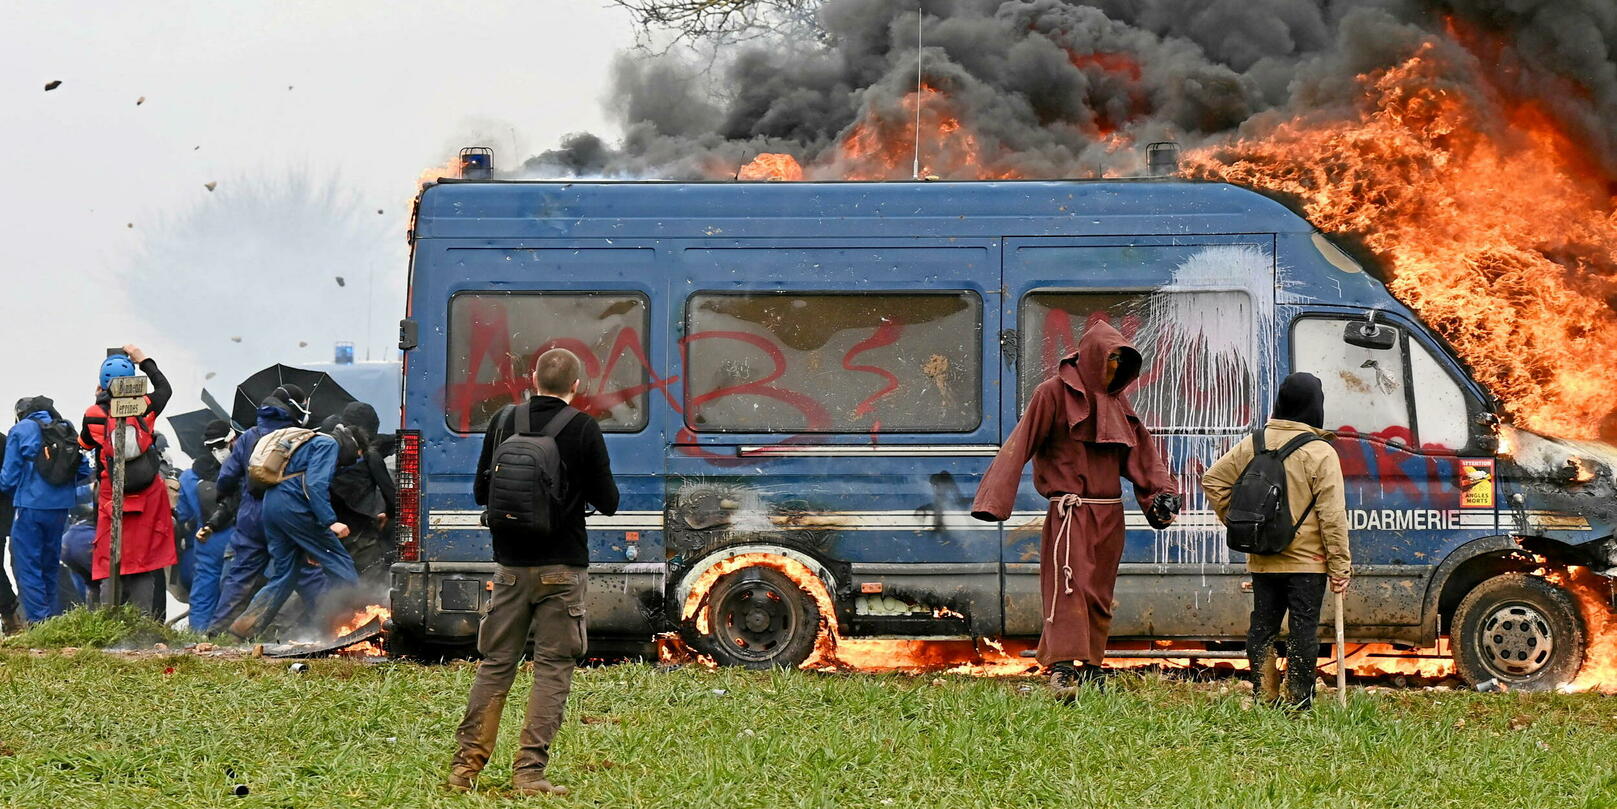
x: 1071, y: 89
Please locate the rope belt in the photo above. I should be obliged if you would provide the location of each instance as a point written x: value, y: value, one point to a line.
x: 1066, y: 505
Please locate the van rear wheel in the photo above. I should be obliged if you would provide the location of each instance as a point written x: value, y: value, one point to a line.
x: 758, y: 618
x: 1521, y: 630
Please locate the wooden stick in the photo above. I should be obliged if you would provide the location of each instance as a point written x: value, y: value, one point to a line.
x: 1341, y: 654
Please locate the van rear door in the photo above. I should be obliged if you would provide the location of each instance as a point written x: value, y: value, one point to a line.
x: 1194, y: 307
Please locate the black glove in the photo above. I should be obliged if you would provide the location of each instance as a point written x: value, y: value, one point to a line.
x: 1164, y: 507
x: 223, y: 514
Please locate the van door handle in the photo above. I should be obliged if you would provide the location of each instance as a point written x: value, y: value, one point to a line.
x: 1010, y: 343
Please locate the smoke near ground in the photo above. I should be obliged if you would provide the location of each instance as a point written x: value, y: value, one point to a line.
x: 1068, y: 89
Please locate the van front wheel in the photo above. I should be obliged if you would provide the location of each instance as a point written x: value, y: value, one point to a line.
x: 758, y: 618
x: 1520, y: 630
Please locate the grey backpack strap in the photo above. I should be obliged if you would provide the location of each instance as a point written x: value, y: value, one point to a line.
x: 524, y: 419
x: 560, y: 421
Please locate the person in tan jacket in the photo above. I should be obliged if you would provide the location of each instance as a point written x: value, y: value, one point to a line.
x: 1293, y: 581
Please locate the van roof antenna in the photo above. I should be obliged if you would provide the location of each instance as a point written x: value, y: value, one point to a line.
x: 916, y: 169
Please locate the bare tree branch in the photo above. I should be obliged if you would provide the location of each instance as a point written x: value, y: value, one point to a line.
x: 725, y: 21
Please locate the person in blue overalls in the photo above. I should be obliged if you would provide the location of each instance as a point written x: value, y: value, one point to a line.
x: 199, y: 496
x: 301, y: 525
x: 42, y: 444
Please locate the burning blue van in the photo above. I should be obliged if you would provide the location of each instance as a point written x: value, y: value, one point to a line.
x: 819, y: 373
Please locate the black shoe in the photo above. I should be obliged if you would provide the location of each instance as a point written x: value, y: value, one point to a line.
x: 1064, y: 681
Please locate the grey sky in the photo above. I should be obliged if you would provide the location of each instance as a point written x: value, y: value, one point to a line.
x: 380, y: 91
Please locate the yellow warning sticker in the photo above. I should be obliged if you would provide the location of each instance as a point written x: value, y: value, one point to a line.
x: 1476, y: 483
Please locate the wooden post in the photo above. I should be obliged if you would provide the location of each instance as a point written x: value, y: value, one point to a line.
x: 1341, y: 654
x: 115, y: 596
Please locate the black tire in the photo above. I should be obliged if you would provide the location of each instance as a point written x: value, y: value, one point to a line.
x: 757, y: 618
x: 1521, y: 630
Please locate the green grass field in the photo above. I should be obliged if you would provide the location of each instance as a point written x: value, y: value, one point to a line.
x: 102, y: 730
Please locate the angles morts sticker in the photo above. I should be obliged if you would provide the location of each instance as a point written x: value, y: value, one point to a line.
x: 1476, y: 483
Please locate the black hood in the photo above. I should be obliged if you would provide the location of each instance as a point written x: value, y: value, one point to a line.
x: 1302, y: 399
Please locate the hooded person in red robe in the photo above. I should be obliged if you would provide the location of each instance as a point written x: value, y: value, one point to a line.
x: 1084, y: 438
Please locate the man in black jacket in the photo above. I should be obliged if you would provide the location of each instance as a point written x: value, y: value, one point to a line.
x: 539, y: 586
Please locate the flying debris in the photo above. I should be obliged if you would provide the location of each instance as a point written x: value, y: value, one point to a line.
x: 140, y: 101
x: 235, y: 339
x: 194, y: 148
x: 378, y: 211
x: 210, y: 186
x: 130, y: 225
x: 52, y: 85
x: 303, y: 344
x: 289, y: 87
x: 210, y: 375
x: 341, y: 282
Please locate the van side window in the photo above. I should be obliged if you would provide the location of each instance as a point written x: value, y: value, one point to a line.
x: 1365, y: 391
x: 802, y: 362
x: 495, y: 338
x: 1440, y: 410
x: 1198, y: 346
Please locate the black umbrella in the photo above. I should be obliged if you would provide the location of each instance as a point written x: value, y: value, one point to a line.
x: 326, y: 397
x: 188, y: 429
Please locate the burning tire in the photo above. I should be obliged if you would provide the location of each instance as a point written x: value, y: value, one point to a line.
x: 758, y: 618
x: 1520, y: 630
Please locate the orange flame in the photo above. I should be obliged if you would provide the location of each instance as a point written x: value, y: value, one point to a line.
x: 1499, y: 236
x: 772, y: 166
x: 360, y: 619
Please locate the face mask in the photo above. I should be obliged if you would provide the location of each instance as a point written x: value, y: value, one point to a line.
x: 220, y: 453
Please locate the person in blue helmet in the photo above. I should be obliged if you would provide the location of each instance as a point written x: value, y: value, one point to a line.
x: 286, y: 406
x: 199, y: 498
x: 302, y: 526
x: 42, y: 470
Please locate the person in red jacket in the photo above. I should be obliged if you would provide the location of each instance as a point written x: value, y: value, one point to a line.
x: 1083, y: 438
x: 148, y: 525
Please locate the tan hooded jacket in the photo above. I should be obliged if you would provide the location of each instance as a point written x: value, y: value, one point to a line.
x: 1321, y: 544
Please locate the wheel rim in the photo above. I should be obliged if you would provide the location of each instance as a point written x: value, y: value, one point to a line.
x: 1516, y: 640
x: 754, y: 620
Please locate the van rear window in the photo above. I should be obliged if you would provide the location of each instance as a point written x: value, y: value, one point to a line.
x: 495, y: 338
x: 821, y: 362
x: 1199, y: 347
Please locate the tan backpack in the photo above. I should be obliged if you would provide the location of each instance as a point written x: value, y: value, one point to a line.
x: 267, y: 466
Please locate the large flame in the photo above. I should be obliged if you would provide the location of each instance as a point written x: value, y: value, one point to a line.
x: 1488, y: 217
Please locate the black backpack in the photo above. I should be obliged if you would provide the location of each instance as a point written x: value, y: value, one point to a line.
x: 1259, y: 516
x: 527, y: 485
x: 58, y: 458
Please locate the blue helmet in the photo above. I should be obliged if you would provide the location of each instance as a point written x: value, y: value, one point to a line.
x: 116, y: 365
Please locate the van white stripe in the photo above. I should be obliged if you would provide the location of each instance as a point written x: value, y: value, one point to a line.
x: 909, y: 520
x: 868, y: 451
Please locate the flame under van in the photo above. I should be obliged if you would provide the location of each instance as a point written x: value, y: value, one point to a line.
x: 816, y: 375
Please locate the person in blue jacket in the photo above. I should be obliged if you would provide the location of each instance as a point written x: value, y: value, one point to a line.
x: 198, y: 501
x: 41, y: 506
x: 301, y: 526
x: 78, y: 547
x: 286, y: 406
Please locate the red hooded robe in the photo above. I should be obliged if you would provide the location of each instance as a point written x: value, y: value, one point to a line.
x: 1083, y: 439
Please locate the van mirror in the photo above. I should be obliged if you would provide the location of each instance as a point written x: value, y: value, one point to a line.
x: 1366, y: 334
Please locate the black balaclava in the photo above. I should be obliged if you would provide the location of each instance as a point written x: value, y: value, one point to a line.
x: 363, y: 416
x: 1301, y: 398
x: 293, y: 400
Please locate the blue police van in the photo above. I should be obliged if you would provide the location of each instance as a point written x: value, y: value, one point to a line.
x: 821, y: 373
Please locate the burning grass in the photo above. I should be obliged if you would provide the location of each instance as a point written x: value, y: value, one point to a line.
x: 95, y: 730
